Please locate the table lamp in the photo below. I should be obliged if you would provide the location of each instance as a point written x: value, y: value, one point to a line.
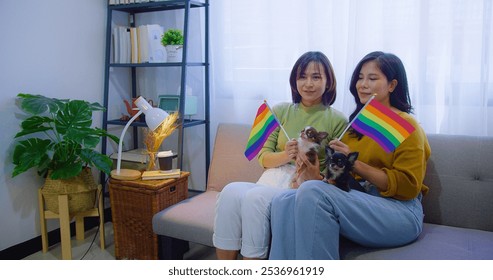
x: 154, y: 117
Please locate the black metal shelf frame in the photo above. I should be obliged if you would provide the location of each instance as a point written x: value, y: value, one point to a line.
x: 136, y: 8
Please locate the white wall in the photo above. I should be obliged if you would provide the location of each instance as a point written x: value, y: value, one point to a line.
x: 49, y: 47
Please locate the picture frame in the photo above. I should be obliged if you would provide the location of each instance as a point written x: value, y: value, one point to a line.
x: 171, y: 103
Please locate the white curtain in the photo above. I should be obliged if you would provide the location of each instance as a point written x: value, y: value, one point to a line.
x: 446, y: 47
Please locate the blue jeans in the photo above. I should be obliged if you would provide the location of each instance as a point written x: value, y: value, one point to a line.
x: 306, y: 223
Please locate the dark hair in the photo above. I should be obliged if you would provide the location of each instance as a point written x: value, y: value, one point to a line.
x: 329, y: 95
x: 392, y: 67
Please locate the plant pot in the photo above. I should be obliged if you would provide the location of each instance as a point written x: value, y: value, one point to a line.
x: 174, y: 53
x: 81, y: 191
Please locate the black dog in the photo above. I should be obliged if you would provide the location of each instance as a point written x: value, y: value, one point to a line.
x: 338, y: 169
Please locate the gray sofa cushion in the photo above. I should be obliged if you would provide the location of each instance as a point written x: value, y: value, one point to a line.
x: 460, y: 177
x: 191, y: 220
x: 436, y: 242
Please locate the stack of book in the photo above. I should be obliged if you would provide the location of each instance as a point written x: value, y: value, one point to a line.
x: 161, y: 174
x: 140, y: 44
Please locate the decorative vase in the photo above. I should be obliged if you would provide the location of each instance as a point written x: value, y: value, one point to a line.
x: 174, y: 53
x: 81, y: 191
x: 153, y: 163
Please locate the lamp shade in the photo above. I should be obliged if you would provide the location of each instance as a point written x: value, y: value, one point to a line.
x: 154, y: 116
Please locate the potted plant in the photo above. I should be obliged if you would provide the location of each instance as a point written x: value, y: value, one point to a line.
x: 173, y: 40
x: 59, y: 142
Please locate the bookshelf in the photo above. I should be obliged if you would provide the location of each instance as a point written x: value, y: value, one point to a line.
x: 133, y: 75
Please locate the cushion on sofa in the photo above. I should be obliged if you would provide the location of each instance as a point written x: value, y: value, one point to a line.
x: 436, y: 242
x: 228, y: 163
x: 191, y: 220
x: 460, y: 177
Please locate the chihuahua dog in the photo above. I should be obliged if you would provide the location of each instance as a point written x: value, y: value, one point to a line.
x: 309, y: 144
x: 338, y: 169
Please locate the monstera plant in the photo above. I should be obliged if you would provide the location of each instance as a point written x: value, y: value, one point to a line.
x: 61, y: 139
x: 57, y: 139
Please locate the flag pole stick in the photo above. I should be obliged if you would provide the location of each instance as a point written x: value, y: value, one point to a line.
x: 280, y: 125
x: 355, y: 117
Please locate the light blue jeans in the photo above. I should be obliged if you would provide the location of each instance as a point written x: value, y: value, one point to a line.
x: 306, y: 223
x: 242, y: 220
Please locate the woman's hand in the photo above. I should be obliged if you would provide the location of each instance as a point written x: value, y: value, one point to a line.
x: 340, y: 147
x: 307, y: 170
x: 373, y: 175
x: 291, y: 149
x: 277, y: 159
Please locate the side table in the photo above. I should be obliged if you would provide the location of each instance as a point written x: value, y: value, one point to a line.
x: 133, y: 204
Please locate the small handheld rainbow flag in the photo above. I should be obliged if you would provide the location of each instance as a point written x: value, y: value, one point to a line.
x: 265, y: 123
x: 381, y: 124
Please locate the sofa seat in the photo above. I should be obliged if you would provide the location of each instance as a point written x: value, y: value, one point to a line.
x: 180, y: 221
x: 436, y: 242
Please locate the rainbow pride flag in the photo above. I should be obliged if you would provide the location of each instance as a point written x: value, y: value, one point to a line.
x: 265, y: 122
x: 383, y: 125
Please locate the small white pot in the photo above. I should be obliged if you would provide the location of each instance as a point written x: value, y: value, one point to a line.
x: 174, y: 53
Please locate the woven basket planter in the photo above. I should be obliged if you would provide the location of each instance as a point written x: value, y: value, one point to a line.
x: 81, y: 191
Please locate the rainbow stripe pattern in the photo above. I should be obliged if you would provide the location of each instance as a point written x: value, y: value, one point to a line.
x: 265, y: 123
x: 383, y: 125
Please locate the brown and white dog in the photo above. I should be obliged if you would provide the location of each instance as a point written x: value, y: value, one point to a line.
x: 309, y: 144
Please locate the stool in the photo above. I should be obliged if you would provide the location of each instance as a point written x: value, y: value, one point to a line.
x: 65, y: 217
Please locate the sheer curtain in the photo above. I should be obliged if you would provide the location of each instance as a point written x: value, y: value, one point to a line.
x: 445, y: 45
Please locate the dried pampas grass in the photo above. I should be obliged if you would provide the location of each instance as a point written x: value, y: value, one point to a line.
x: 154, y: 139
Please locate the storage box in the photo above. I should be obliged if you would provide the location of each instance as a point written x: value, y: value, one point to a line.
x: 133, y: 204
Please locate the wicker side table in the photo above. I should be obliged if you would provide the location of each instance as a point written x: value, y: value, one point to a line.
x: 133, y: 204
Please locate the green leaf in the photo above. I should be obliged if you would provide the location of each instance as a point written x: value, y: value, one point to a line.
x: 30, y: 153
x: 102, y: 162
x: 77, y: 114
x: 38, y: 104
x: 34, y: 124
x: 96, y: 107
x: 66, y: 171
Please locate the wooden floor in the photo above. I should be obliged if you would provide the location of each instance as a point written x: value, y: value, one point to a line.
x: 89, y: 249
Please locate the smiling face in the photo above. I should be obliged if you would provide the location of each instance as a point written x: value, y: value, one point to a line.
x: 311, y: 84
x: 372, y: 80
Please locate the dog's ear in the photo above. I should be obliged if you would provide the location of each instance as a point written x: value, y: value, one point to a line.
x: 352, y: 157
x: 322, y: 135
x: 328, y: 151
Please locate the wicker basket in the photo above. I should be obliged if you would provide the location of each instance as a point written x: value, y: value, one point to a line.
x: 133, y: 204
x: 81, y: 191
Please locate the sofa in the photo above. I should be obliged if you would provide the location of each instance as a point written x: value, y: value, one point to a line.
x: 458, y: 208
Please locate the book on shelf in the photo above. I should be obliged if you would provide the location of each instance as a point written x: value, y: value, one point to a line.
x: 121, y: 44
x: 161, y: 174
x: 142, y: 44
x: 134, y: 50
x: 156, y: 51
